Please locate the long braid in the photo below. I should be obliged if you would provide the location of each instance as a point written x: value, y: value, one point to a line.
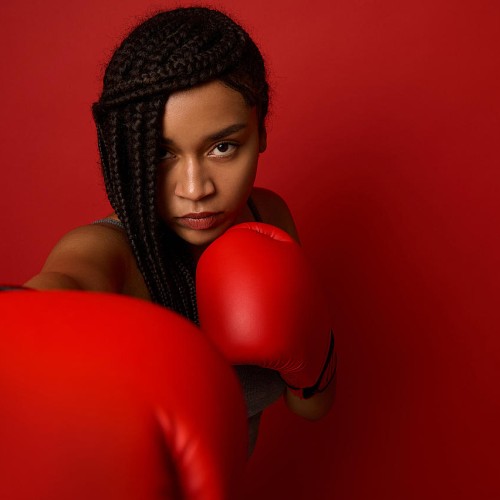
x: 171, y: 51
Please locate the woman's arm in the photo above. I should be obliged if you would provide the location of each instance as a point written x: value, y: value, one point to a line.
x: 315, y: 407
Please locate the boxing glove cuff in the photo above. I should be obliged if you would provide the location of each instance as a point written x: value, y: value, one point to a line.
x: 326, y: 376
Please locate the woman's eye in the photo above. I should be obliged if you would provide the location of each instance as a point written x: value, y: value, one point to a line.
x: 164, y: 154
x: 223, y: 149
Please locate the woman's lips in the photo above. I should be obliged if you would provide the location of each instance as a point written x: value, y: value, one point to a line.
x: 200, y: 220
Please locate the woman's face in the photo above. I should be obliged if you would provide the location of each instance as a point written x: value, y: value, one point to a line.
x: 211, y: 144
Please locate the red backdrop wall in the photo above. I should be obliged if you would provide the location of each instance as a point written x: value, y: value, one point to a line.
x: 384, y: 141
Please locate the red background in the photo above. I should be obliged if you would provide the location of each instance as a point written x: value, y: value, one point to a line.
x: 383, y: 139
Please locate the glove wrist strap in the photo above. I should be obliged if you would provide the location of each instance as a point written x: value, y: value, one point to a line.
x: 326, y: 376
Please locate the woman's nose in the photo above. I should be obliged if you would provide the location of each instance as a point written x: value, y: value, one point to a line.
x: 193, y: 181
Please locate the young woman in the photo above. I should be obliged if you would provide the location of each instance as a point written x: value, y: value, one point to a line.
x: 180, y: 124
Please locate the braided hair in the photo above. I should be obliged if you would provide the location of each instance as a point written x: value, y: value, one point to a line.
x: 169, y: 52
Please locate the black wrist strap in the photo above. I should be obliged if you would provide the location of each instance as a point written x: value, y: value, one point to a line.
x: 308, y: 392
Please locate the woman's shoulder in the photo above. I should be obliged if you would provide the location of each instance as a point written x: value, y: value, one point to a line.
x: 104, y: 237
x: 274, y: 210
x: 89, y: 257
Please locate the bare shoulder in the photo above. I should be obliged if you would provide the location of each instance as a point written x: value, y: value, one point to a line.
x: 93, y: 257
x: 274, y: 210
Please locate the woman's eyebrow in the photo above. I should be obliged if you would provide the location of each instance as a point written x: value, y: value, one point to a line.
x: 232, y: 129
x: 226, y: 131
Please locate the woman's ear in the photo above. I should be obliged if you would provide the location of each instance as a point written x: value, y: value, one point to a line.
x: 262, y: 139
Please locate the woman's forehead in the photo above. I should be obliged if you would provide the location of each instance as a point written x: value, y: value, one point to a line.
x: 211, y: 94
x: 206, y: 108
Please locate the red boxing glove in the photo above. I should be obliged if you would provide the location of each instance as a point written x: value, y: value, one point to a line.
x: 259, y: 302
x: 106, y: 397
